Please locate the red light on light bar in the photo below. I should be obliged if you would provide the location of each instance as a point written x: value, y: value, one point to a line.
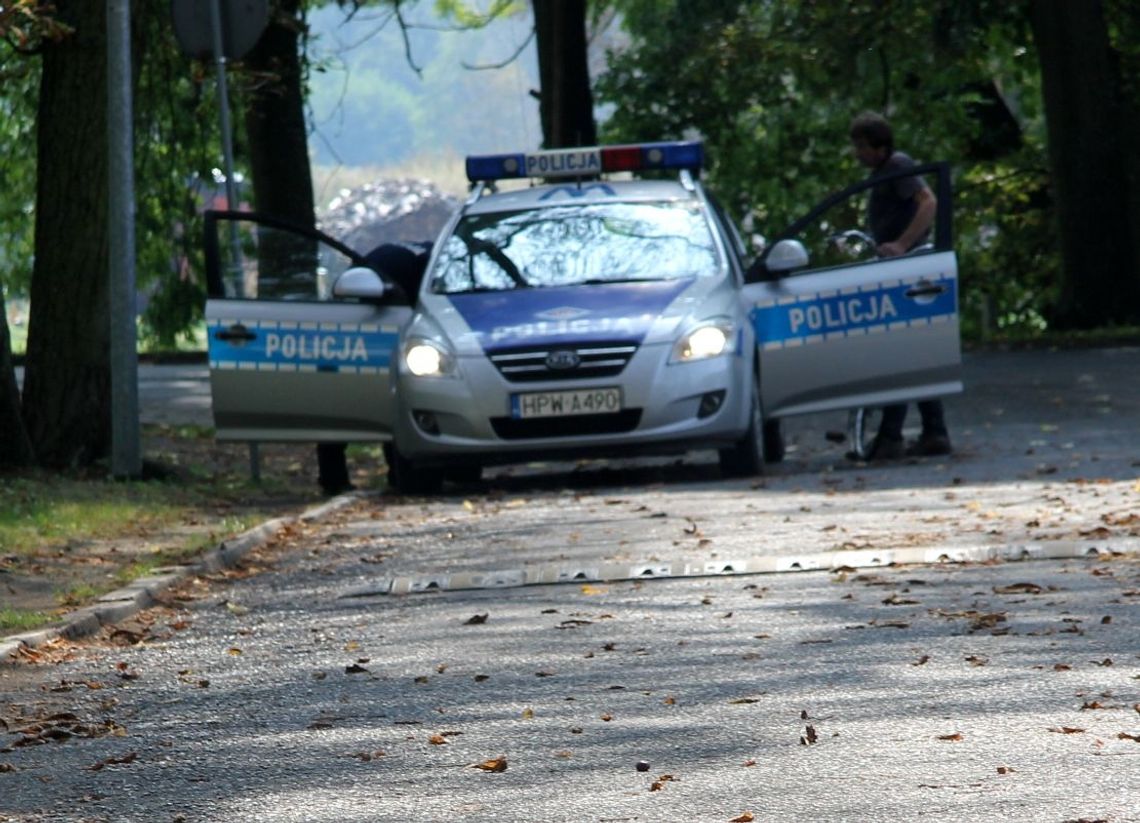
x: 621, y: 158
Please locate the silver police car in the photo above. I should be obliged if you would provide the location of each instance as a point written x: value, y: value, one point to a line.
x: 591, y: 313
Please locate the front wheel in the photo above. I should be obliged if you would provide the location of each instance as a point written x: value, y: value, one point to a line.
x: 407, y: 477
x: 746, y: 457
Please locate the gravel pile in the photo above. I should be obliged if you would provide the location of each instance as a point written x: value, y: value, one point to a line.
x: 387, y: 211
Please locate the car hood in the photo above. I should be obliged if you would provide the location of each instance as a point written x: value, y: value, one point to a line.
x: 612, y: 312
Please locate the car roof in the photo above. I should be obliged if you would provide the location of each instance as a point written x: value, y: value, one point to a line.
x: 580, y: 193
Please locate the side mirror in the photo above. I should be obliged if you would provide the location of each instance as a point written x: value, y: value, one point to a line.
x: 360, y: 282
x: 786, y: 255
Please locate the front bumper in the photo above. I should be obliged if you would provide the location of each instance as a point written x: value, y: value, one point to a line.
x: 665, y: 409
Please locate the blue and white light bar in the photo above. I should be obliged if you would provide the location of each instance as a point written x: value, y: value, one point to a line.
x: 587, y: 161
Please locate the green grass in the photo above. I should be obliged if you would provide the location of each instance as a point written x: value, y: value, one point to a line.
x: 41, y: 512
x: 14, y: 621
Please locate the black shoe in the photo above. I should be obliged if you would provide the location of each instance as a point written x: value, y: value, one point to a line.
x: 882, y: 449
x: 333, y: 491
x: 930, y: 445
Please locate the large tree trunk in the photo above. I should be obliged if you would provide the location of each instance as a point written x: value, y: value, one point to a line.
x: 15, y: 447
x: 67, y: 380
x: 275, y: 119
x: 1087, y: 130
x: 566, y: 105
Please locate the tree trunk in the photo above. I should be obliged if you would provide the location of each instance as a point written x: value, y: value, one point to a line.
x: 275, y: 120
x: 15, y: 447
x: 566, y: 105
x: 1086, y: 127
x: 67, y: 379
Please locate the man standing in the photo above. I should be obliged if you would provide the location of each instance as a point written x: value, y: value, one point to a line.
x: 901, y: 212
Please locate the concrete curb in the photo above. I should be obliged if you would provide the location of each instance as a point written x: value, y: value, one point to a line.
x: 144, y: 592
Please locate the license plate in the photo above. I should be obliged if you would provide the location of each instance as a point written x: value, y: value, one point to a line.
x: 565, y: 403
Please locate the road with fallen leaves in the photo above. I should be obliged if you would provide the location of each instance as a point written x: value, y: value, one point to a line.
x: 289, y: 689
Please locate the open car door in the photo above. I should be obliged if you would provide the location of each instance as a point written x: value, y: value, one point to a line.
x: 844, y: 328
x: 288, y: 360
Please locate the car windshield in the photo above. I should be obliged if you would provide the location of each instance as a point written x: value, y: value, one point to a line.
x: 575, y: 245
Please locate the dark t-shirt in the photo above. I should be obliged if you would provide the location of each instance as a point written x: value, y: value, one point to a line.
x: 403, y: 263
x: 892, y: 205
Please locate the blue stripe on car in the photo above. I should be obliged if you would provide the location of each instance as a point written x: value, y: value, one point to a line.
x: 282, y: 346
x: 812, y: 317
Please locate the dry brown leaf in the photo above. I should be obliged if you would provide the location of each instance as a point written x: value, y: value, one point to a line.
x: 497, y: 764
x: 747, y: 817
x: 955, y: 736
x: 1019, y: 588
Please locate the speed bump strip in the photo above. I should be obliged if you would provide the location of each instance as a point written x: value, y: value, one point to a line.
x: 552, y: 574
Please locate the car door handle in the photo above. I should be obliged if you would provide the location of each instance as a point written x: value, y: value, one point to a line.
x: 930, y: 290
x: 236, y: 332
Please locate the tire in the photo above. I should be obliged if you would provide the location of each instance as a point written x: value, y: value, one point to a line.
x: 406, y: 477
x: 464, y: 473
x: 746, y: 457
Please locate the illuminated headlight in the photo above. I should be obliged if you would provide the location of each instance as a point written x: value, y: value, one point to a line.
x: 703, y: 342
x: 425, y: 358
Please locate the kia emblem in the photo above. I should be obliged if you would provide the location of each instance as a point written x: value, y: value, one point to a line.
x: 563, y: 359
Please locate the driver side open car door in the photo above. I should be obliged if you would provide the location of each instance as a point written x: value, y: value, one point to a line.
x: 842, y: 328
x: 289, y: 361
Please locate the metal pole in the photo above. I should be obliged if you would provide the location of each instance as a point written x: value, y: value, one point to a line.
x: 231, y: 188
x: 126, y: 457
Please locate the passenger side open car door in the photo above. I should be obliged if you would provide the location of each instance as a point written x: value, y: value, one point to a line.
x: 846, y: 328
x: 288, y: 359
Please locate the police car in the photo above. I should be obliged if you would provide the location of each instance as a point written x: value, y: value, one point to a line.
x: 594, y: 312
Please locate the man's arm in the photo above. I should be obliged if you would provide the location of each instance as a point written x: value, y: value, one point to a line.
x: 923, y: 218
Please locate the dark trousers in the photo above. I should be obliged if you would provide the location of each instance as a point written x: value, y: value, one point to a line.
x: 332, y: 467
x: 933, y: 419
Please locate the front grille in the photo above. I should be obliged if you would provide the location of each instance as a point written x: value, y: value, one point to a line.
x: 528, y: 365
x: 509, y: 428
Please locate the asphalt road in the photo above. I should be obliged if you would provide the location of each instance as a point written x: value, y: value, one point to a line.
x: 996, y: 690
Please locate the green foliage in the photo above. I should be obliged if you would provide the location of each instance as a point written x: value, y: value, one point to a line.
x: 19, y: 83
x: 772, y: 87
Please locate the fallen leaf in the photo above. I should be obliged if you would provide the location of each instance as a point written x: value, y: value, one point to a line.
x: 1019, y: 588
x: 955, y: 736
x: 747, y: 817
x: 497, y: 764
x: 895, y: 600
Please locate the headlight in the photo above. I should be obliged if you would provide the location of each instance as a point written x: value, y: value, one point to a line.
x: 426, y: 358
x: 703, y: 342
